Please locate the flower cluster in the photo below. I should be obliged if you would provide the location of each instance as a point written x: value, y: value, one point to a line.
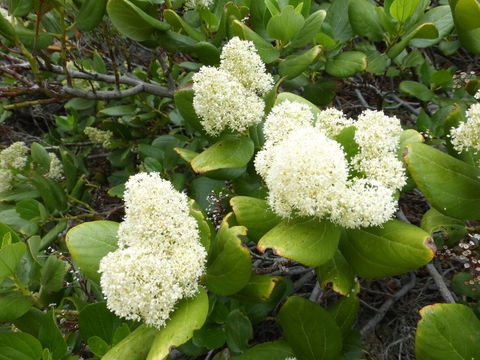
x: 194, y: 4
x: 228, y: 97
x: 55, y: 171
x: 467, y: 134
x: 97, y: 136
x: 160, y: 259
x: 308, y: 174
x: 13, y: 157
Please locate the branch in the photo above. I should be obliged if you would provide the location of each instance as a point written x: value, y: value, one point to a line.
x: 442, y: 287
x: 372, y: 323
x: 104, y: 95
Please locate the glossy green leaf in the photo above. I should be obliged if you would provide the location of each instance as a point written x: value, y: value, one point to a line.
x: 90, y: 15
x: 135, y: 346
x: 392, y: 249
x: 10, y: 256
x: 20, y: 7
x: 447, y: 332
x: 53, y: 195
x: 229, y: 265
x: 89, y: 242
x: 52, y: 274
x: 19, y: 346
x: 312, y: 26
x: 416, y: 89
x: 14, y: 305
x: 310, y: 330
x: 51, y: 337
x: 277, y: 350
x: 132, y: 21
x: 364, y: 19
x: 441, y: 17
x: 259, y: 288
x: 337, y: 272
x: 466, y: 15
x: 189, y: 316
x: 267, y: 52
x: 337, y: 24
x: 453, y: 229
x: 6, y: 29
x: 175, y: 20
x: 295, y: 65
x: 345, y: 312
x: 462, y: 286
x: 255, y: 215
x: 238, y: 330
x: 450, y: 185
x: 234, y: 152
x: 311, y: 242
x: 423, y: 31
x: 347, y: 64
x: 285, y: 25
x: 402, y: 10
x: 31, y: 209
x: 97, y: 320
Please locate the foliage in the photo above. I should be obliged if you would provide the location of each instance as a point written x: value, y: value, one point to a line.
x: 279, y: 183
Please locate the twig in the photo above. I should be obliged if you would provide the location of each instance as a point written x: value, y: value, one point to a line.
x: 372, y: 323
x: 442, y: 287
x: 317, y: 290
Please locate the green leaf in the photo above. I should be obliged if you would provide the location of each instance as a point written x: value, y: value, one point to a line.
x: 255, y: 215
x: 51, y: 337
x: 229, y: 265
x: 97, y: 320
x: 364, y: 19
x: 344, y: 312
x: 132, y: 21
x: 416, y: 89
x: 447, y: 332
x: 441, y: 17
x: 210, y: 337
x: 402, y: 10
x: 10, y: 256
x: 14, y: 305
x: 19, y: 346
x: 267, y: 52
x: 176, y: 21
x: 462, y: 286
x: 286, y: 25
x: 184, y: 102
x: 449, y: 185
x: 90, y: 15
x: 6, y: 29
x: 89, y: 242
x: 189, y: 316
x: 234, y: 152
x: 53, y: 195
x: 311, y: 242
x: 434, y: 221
x: 98, y: 346
x: 20, y: 7
x: 392, y: 249
x: 277, y: 350
x: 295, y: 65
x: 423, y: 31
x: 337, y: 272
x: 346, y: 64
x: 337, y: 20
x: 295, y: 98
x: 310, y: 330
x: 238, y: 330
x: 260, y: 288
x: 40, y: 156
x: 31, y: 210
x: 53, y: 274
x: 312, y: 26
x: 466, y: 15
x: 135, y: 346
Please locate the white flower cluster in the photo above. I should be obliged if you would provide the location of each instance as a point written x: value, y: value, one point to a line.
x: 56, y: 168
x: 13, y: 157
x: 97, y: 136
x: 307, y: 172
x: 194, y: 4
x: 228, y: 97
x: 467, y: 134
x: 160, y: 259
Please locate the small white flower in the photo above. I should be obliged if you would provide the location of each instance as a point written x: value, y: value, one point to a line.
x: 6, y: 178
x: 97, y: 136
x: 14, y: 156
x: 240, y: 58
x: 285, y: 118
x: 223, y: 103
x: 467, y: 134
x: 56, y: 168
x: 332, y: 121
